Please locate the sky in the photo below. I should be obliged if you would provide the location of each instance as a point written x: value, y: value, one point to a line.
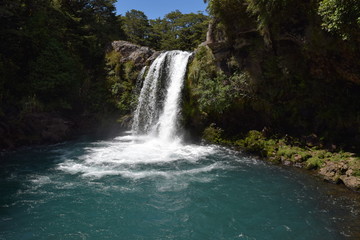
x: 159, y: 8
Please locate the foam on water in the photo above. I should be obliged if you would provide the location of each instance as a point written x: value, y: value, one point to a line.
x: 140, y: 157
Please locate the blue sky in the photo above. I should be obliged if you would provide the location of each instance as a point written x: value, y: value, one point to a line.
x: 158, y: 8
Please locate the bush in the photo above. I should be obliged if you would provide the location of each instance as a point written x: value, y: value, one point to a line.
x: 213, y: 134
x: 255, y: 142
x: 215, y: 91
x: 121, y: 80
x: 340, y: 17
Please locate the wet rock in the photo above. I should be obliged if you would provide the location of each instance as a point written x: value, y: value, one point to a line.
x: 287, y: 163
x: 298, y: 165
x: 332, y: 171
x: 340, y: 172
x: 298, y: 158
x: 153, y: 57
x: 47, y: 127
x: 351, y: 182
x: 349, y: 172
x: 33, y: 129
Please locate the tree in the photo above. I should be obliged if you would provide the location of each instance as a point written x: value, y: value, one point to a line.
x: 341, y: 17
x: 55, y: 77
x: 54, y: 50
x: 137, y: 27
x: 180, y: 31
x: 11, y: 54
x: 174, y: 31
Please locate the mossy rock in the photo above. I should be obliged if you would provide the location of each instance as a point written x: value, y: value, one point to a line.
x: 314, y: 163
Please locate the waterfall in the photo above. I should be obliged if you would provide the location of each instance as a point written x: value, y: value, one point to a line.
x: 139, y: 80
x: 158, y: 108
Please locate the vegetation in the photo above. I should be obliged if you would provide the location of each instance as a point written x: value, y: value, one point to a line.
x: 215, y: 91
x: 290, y: 66
x: 137, y: 27
x: 121, y: 80
x: 285, y: 150
x: 52, y: 53
x: 341, y: 17
x: 54, y: 56
x: 174, y: 31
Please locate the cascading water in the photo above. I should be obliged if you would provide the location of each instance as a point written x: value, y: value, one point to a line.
x: 139, y: 81
x: 158, y: 107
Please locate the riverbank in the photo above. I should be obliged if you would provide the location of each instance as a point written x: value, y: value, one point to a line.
x: 334, y: 166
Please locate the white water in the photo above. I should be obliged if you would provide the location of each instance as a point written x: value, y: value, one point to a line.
x: 158, y: 108
x: 135, y: 157
x: 139, y: 80
x: 146, y: 110
x: 168, y: 119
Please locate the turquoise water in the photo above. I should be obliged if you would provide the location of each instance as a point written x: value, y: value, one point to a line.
x: 140, y: 188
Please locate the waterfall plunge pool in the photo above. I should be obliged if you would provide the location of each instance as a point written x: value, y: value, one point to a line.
x: 142, y: 188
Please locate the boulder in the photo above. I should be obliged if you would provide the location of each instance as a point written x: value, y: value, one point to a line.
x: 140, y: 55
x: 338, y: 172
x: 351, y: 182
x: 332, y: 171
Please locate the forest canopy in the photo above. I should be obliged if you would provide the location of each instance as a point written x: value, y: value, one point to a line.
x: 175, y: 31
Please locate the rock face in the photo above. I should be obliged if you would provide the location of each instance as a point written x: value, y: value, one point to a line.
x: 140, y: 55
x: 50, y: 128
x: 33, y: 128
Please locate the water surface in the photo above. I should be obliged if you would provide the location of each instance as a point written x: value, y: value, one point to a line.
x: 142, y: 188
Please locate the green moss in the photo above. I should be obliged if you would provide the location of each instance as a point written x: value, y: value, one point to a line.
x: 256, y: 143
x: 314, y: 162
x: 276, y: 150
x: 287, y: 151
x: 354, y: 163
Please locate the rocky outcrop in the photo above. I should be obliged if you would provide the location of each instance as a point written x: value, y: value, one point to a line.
x: 140, y: 55
x: 33, y: 129
x: 340, y: 172
x: 332, y: 171
x: 351, y: 182
x: 50, y: 128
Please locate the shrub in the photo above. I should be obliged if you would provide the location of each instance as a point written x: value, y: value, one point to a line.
x: 213, y: 134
